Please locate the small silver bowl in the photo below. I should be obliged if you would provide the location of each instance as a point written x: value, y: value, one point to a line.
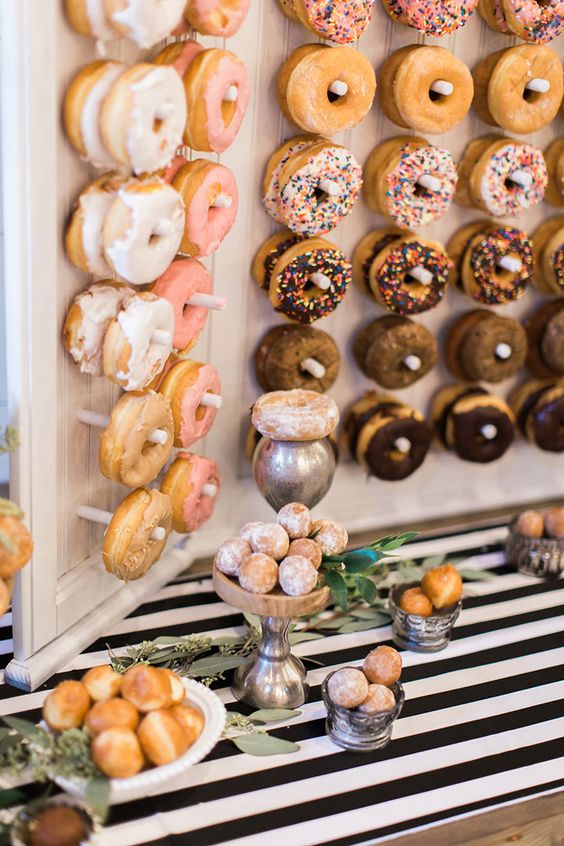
x: 542, y: 557
x: 421, y: 634
x: 361, y: 732
x: 19, y: 833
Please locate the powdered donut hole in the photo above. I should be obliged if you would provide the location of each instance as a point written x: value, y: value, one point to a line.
x: 270, y: 539
x: 297, y: 575
x: 247, y: 530
x: 382, y: 666
x: 380, y: 698
x: 331, y: 537
x: 307, y: 548
x: 296, y: 519
x: 258, y: 573
x: 230, y: 556
x: 347, y: 687
x: 554, y: 523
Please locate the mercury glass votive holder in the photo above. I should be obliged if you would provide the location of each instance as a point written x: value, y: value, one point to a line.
x: 421, y: 634
x: 542, y: 557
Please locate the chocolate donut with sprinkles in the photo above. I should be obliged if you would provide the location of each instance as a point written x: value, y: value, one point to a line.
x: 366, y: 251
x: 433, y: 17
x: 268, y: 254
x: 409, y: 276
x: 309, y: 280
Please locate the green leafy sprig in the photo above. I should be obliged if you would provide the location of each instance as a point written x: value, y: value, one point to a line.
x: 9, y: 439
x: 248, y: 734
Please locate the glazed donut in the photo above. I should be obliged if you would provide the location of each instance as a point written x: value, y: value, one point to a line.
x: 545, y: 330
x: 84, y: 235
x: 532, y: 21
x: 539, y: 409
x: 179, y: 54
x: 425, y: 88
x: 275, y: 166
x: 192, y: 483
x: 126, y: 453
x: 129, y: 549
x: 186, y: 385
x: 142, y: 117
x: 325, y: 90
x: 88, y: 319
x: 82, y: 108
x: 138, y: 341
x: 386, y: 437
x: 295, y: 415
x: 309, y: 280
x: 268, y: 254
x: 366, y: 251
x: 493, y: 265
x: 501, y: 176
x: 209, y: 192
x: 183, y: 279
x: 548, y: 253
x: 143, y: 230
x: 477, y: 426
x: 484, y: 347
x: 519, y: 89
x: 409, y: 181
x: 297, y: 357
x: 222, y: 18
x: 318, y: 187
x: 213, y: 78
x: 143, y: 21
x: 89, y: 18
x: 433, y: 17
x: 341, y: 21
x: 394, y: 351
x: 554, y: 158
x: 409, y: 275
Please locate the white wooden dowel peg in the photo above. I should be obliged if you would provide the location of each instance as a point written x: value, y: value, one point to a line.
x: 412, y: 362
x: 222, y: 201
x: 207, y: 301
x: 330, y: 187
x: 402, y: 445
x: 441, y: 86
x: 432, y: 183
x: 231, y: 94
x: 211, y: 400
x: 521, y: 177
x: 209, y: 489
x: 489, y: 431
x: 93, y: 418
x: 339, y: 88
x: 514, y: 265
x: 96, y: 515
x: 321, y: 280
x: 541, y: 86
x: 421, y: 274
x: 503, y: 351
x: 311, y: 365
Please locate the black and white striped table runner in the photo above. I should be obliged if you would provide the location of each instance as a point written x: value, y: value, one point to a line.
x: 482, y: 725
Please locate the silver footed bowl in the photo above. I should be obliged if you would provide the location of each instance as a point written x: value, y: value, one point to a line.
x: 542, y: 557
x: 421, y: 634
x: 293, y: 471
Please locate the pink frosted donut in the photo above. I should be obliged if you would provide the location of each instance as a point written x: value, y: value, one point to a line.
x: 179, y: 54
x: 183, y: 279
x: 193, y: 483
x: 433, y: 17
x: 341, y: 21
x: 222, y: 18
x: 186, y: 385
x: 533, y: 21
x: 217, y: 94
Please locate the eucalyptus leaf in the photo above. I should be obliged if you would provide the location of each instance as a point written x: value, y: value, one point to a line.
x: 9, y: 741
x: 161, y: 655
x: 215, y: 664
x: 301, y: 637
x: 28, y: 730
x: 338, y: 588
x: 168, y: 641
x: 11, y: 797
x: 228, y: 641
x: 364, y: 625
x: 368, y: 613
x: 432, y: 561
x: 333, y: 622
x: 264, y: 744
x: 252, y: 620
x: 97, y: 794
x: 397, y: 541
x: 367, y: 589
x: 273, y: 715
x: 476, y: 575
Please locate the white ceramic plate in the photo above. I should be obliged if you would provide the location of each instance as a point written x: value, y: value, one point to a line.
x: 127, y: 789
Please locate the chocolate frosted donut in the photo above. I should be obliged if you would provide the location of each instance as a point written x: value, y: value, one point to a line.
x: 268, y: 254
x: 366, y: 251
x: 481, y: 346
x: 548, y: 253
x: 545, y: 331
x: 297, y: 357
x: 539, y: 408
x: 388, y: 438
x: 477, y: 426
x: 395, y: 351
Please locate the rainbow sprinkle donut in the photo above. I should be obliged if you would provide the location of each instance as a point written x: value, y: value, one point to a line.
x: 535, y: 22
x: 393, y: 281
x: 274, y: 167
x: 433, y: 17
x: 340, y: 21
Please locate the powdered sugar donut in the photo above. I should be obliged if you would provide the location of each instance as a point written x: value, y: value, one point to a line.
x: 379, y: 698
x: 222, y: 18
x: 535, y: 22
x: 306, y: 548
x: 138, y: 341
x: 84, y: 235
x: 258, y: 573
x: 330, y: 537
x: 295, y: 518
x: 230, y: 556
x: 144, y: 21
x: 142, y: 117
x: 183, y: 279
x: 270, y: 539
x: 143, y: 230
x: 88, y: 319
x: 248, y: 528
x: 185, y: 385
x: 192, y: 483
x: 340, y: 21
x: 217, y: 94
x: 347, y: 687
x: 296, y: 415
x: 297, y: 576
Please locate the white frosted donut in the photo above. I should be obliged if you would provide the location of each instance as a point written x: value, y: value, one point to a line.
x: 143, y: 230
x: 271, y: 185
x: 143, y: 117
x: 89, y: 18
x: 144, y: 21
x: 222, y: 18
x: 84, y: 235
x: 295, y: 415
x: 132, y: 355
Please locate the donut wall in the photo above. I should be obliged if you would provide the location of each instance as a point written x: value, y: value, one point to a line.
x: 67, y: 595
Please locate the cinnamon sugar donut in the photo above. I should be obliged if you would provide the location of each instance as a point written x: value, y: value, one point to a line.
x: 554, y: 158
x: 192, y: 482
x: 84, y: 242
x: 185, y: 385
x: 295, y: 415
x: 341, y: 21
x: 477, y: 426
x: 539, y: 408
x: 183, y: 279
x: 222, y: 18
x: 548, y: 253
x: 394, y: 351
x: 482, y: 346
x: 296, y: 357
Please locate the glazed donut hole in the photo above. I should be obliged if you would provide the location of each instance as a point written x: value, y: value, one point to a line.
x: 111, y: 713
x: 530, y: 524
x: 443, y: 586
x: 117, y: 753
x: 554, y: 523
x: 190, y: 720
x: 146, y: 688
x: 66, y: 706
x: 414, y: 601
x: 102, y: 683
